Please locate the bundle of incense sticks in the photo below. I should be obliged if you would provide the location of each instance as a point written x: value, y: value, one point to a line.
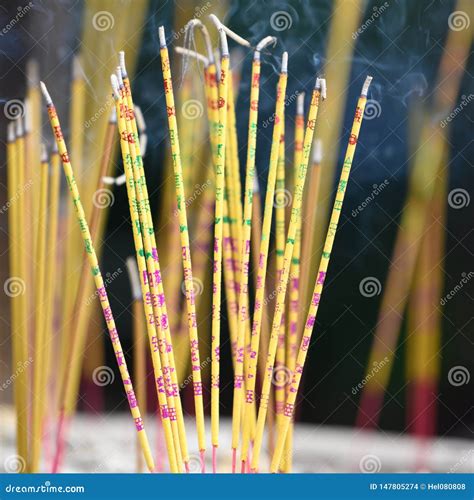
x: 268, y: 344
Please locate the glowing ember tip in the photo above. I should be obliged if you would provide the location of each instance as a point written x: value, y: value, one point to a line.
x: 122, y: 63
x: 44, y: 153
x: 161, y: 35
x: 46, y: 95
x: 365, y: 87
x: 115, y: 86
x: 284, y: 62
x: 300, y: 104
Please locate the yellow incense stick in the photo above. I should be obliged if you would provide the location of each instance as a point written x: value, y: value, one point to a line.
x: 318, y: 286
x: 16, y: 288
x: 281, y: 198
x: 139, y: 345
x: 245, y: 247
x: 220, y: 154
x: 33, y: 144
x: 154, y: 266
x: 199, y: 267
x: 99, y: 282
x: 150, y: 278
x: 318, y: 91
x: 309, y: 217
x: 161, y: 311
x: 39, y: 386
x: 264, y: 246
x: 185, y: 249
x: 23, y: 302
x: 291, y: 347
x: 51, y: 272
x: 157, y: 296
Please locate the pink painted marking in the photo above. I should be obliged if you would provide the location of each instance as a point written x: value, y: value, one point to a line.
x: 214, y: 459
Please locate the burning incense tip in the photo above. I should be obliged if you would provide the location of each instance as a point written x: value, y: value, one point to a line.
x: 76, y: 68
x: 323, y: 88
x: 365, y: 87
x: 108, y: 180
x: 284, y: 62
x: 192, y: 53
x: 19, y: 127
x: 11, y: 132
x: 28, y: 116
x: 118, y: 181
x: 115, y: 86
x: 118, y: 72
x: 122, y: 64
x: 44, y: 153
x: 300, y: 104
x: 317, y: 151
x: 256, y: 184
x: 32, y: 72
x: 265, y: 42
x: 134, y: 278
x: 46, y: 95
x: 161, y: 35
x: 113, y: 115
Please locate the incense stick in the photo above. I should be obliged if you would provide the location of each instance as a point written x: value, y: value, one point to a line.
x: 264, y: 246
x: 283, y: 279
x: 218, y: 234
x: 39, y: 383
x: 139, y: 345
x: 318, y: 286
x: 186, y: 252
x: 16, y: 290
x: 91, y: 255
x: 245, y: 247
